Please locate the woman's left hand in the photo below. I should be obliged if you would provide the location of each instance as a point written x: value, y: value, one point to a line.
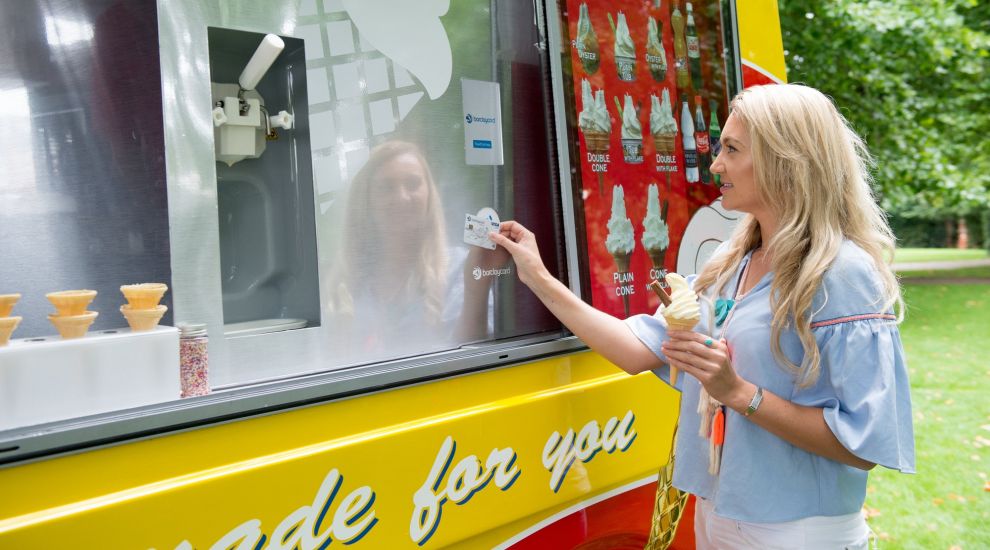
x: 711, y: 365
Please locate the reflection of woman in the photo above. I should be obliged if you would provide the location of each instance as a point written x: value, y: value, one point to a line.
x: 802, y: 377
x: 392, y: 292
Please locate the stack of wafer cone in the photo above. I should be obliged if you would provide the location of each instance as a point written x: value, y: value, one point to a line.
x: 142, y: 310
x: 71, y: 318
x: 7, y: 323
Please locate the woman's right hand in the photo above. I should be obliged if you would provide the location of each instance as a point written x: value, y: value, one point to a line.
x: 521, y: 243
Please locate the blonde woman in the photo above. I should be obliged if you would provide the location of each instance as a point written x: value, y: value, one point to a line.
x: 796, y: 383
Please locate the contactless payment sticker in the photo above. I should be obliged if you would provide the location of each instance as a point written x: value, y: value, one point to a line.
x: 478, y: 226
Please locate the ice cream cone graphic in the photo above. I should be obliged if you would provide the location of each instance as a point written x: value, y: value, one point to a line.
x: 620, y: 241
x: 596, y: 126
x: 663, y: 127
x: 656, y: 235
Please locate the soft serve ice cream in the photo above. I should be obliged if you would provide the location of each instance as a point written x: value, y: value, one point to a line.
x: 625, y: 50
x: 594, y: 115
x: 620, y: 241
x: 656, y: 236
x: 684, y: 311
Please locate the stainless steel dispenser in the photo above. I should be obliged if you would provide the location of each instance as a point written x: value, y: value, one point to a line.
x: 264, y: 181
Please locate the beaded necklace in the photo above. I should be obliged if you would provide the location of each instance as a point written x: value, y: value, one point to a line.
x: 712, y: 411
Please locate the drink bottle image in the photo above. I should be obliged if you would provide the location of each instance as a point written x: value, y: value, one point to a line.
x: 693, y: 51
x: 690, y: 146
x: 680, y: 48
x: 701, y: 141
x: 715, y: 131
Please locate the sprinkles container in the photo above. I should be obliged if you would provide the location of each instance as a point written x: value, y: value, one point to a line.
x: 193, y: 360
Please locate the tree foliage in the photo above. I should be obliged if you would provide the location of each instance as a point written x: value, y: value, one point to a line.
x: 912, y: 78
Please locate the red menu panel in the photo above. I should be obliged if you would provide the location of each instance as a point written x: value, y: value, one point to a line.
x: 647, y: 77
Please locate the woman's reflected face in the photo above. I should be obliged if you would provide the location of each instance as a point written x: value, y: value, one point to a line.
x: 401, y: 191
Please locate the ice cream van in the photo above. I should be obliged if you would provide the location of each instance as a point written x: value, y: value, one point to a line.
x: 248, y: 297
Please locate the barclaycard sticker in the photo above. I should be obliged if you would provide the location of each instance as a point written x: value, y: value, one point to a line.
x: 478, y: 226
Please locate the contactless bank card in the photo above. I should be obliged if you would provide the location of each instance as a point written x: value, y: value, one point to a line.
x: 476, y: 230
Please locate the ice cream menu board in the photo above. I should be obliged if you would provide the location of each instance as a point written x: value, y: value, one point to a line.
x: 650, y: 94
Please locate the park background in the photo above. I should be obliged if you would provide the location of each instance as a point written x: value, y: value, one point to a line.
x: 912, y: 78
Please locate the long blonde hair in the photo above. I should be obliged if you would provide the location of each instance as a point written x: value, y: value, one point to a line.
x: 811, y: 169
x: 362, y: 240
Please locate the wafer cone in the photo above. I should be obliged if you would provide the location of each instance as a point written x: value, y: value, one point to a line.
x: 70, y: 303
x: 73, y: 326
x: 681, y: 324
x: 596, y: 142
x: 7, y: 302
x: 7, y: 327
x: 144, y: 295
x: 143, y: 319
x: 664, y: 143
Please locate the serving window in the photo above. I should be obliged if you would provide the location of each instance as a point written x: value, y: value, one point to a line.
x: 327, y: 225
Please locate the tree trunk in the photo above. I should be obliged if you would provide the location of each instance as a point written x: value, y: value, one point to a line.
x: 962, y: 239
x: 949, y: 232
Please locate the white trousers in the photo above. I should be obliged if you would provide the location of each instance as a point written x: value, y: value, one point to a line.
x: 714, y: 532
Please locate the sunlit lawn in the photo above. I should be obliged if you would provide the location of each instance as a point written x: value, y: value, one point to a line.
x: 947, y: 503
x: 904, y: 255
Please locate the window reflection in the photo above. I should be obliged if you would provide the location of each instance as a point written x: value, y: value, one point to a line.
x: 398, y: 287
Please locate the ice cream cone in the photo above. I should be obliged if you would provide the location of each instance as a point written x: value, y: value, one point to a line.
x: 73, y: 326
x: 7, y: 327
x: 7, y: 302
x: 622, y: 262
x: 143, y: 319
x: 144, y: 295
x: 71, y: 303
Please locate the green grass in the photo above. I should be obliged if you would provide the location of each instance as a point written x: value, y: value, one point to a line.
x: 946, y: 504
x: 904, y: 255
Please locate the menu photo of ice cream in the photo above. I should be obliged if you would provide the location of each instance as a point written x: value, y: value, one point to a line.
x: 656, y: 234
x: 620, y: 243
x: 586, y: 42
x: 663, y: 129
x: 632, y: 131
x: 596, y: 125
x: 656, y: 55
x: 625, y: 49
x: 631, y: 72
